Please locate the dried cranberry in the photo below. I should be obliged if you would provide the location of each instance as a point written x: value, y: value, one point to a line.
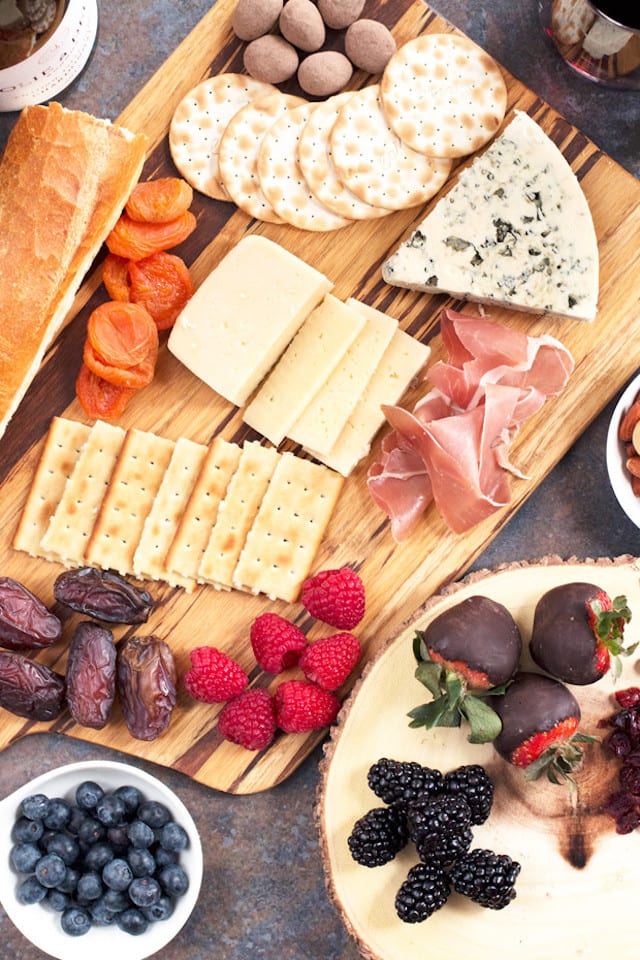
x: 630, y: 781
x: 619, y: 804
x: 619, y: 743
x: 627, y: 822
x: 630, y: 697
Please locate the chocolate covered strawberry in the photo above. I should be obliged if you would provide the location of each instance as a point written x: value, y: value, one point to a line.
x: 578, y: 633
x: 467, y: 653
x: 540, y: 719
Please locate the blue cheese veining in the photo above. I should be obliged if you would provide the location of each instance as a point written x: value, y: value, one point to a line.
x: 515, y: 230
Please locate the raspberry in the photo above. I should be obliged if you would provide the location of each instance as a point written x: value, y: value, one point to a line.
x: 277, y: 643
x: 301, y: 706
x: 249, y: 719
x: 214, y: 676
x: 335, y: 597
x: 328, y: 662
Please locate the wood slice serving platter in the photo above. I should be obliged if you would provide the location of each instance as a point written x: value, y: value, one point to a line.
x: 398, y: 578
x: 574, y: 868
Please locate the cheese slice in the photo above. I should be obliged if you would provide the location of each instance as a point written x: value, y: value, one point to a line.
x: 305, y: 367
x: 515, y: 230
x: 323, y: 419
x: 401, y: 362
x: 244, y: 314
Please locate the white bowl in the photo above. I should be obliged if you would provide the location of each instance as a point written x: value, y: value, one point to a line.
x: 41, y: 925
x: 619, y: 476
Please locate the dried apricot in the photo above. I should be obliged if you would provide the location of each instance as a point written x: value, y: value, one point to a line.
x: 135, y: 377
x: 121, y: 333
x: 156, y: 201
x: 161, y: 284
x: 101, y: 400
x: 135, y: 240
x: 115, y: 276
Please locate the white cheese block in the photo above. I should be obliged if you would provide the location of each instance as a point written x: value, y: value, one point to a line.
x: 305, y: 366
x: 323, y: 419
x: 401, y: 362
x: 515, y: 230
x: 244, y: 314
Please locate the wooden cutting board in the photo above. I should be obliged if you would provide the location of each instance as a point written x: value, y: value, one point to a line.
x: 398, y: 578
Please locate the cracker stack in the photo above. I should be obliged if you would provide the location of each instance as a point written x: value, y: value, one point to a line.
x: 358, y: 155
x: 246, y: 518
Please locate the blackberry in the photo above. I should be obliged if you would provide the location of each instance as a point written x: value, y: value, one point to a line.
x: 434, y: 818
x: 473, y: 784
x: 378, y: 836
x: 397, y: 782
x: 444, y: 848
x: 486, y: 877
x: 425, y: 890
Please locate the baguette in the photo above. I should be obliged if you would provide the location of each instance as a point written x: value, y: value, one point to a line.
x: 64, y: 179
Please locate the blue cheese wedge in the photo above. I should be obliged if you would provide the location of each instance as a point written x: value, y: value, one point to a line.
x: 515, y: 230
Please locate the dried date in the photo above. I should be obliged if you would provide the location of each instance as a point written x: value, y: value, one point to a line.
x: 30, y: 689
x: 102, y: 594
x: 25, y: 622
x: 146, y: 685
x: 91, y: 675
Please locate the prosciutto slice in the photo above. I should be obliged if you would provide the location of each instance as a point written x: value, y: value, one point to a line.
x: 454, y: 446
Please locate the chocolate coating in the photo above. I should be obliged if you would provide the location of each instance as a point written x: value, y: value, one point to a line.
x: 562, y: 642
x: 480, y: 632
x: 532, y: 704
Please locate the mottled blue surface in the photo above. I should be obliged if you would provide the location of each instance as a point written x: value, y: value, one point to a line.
x: 263, y: 896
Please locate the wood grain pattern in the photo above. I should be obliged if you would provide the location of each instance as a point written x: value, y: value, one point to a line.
x: 398, y: 579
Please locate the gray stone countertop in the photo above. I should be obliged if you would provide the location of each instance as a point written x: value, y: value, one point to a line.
x: 264, y: 897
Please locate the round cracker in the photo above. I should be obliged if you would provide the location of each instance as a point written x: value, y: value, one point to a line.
x: 239, y: 148
x: 314, y: 157
x: 374, y: 163
x: 199, y: 121
x: 443, y: 95
x: 282, y: 179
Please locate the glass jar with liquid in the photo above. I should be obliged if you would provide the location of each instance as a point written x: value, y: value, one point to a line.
x: 599, y: 39
x: 44, y: 46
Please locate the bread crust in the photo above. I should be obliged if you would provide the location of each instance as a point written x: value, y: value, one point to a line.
x: 64, y: 179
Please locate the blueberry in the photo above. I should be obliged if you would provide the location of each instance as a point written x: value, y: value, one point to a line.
x: 30, y: 891
x: 75, y: 921
x: 111, y: 810
x: 165, y: 857
x: 118, y: 839
x: 174, y: 880
x: 173, y: 837
x: 116, y: 900
x: 144, y: 891
x: 89, y: 886
x: 58, y: 900
x: 101, y: 913
x: 154, y: 813
x: 117, y: 874
x: 65, y: 846
x: 132, y: 921
x: 98, y: 855
x: 161, y: 910
x: 141, y: 861
x: 24, y: 857
x: 50, y: 870
x: 131, y: 796
x: 87, y: 794
x: 78, y: 817
x: 26, y: 830
x: 90, y: 831
x: 140, y: 834
x: 36, y: 806
x: 70, y: 881
x: 58, y: 814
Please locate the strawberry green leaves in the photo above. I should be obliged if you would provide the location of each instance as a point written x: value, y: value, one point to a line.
x: 607, y: 619
x: 452, y: 703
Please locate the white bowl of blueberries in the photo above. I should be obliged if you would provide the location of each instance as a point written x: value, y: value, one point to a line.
x: 102, y: 856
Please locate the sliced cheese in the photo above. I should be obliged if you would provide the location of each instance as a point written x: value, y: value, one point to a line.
x: 515, y: 230
x: 304, y: 369
x: 244, y: 314
x: 401, y: 362
x: 323, y: 419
